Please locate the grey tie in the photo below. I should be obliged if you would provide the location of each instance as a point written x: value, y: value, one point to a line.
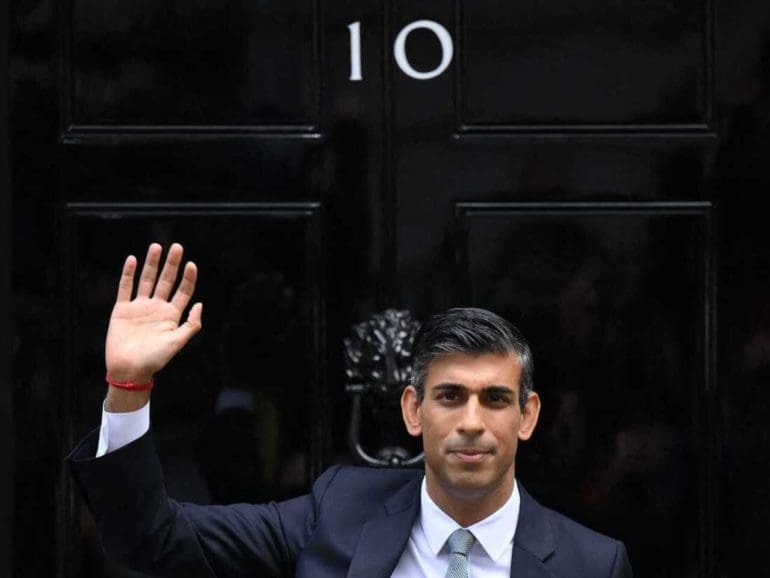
x: 460, y: 543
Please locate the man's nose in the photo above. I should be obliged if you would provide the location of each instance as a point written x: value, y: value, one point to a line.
x: 471, y: 420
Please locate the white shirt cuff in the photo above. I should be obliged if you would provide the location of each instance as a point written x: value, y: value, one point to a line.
x: 120, y: 429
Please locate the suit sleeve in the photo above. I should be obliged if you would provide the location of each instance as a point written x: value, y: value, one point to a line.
x: 142, y: 528
x: 621, y: 567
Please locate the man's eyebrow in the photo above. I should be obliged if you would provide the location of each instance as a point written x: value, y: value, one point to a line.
x: 449, y: 386
x: 494, y: 389
x: 499, y: 389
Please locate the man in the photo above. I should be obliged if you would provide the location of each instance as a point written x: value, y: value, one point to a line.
x: 471, y: 400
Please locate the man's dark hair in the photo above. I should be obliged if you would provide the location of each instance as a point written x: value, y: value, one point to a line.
x: 471, y: 331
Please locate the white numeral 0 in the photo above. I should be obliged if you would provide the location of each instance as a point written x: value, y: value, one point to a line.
x: 399, y: 49
x: 447, y: 50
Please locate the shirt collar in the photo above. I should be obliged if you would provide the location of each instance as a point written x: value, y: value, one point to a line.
x: 494, y: 533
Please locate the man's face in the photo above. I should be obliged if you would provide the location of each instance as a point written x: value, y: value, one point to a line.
x: 470, y: 422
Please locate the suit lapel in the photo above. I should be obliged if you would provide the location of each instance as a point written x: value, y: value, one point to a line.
x: 383, y: 539
x: 534, y: 541
x: 526, y: 565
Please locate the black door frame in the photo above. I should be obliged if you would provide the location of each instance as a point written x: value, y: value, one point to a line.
x: 6, y: 390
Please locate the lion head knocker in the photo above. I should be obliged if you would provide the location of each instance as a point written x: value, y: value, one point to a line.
x: 378, y: 359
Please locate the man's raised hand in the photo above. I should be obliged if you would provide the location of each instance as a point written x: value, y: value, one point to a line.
x: 145, y: 332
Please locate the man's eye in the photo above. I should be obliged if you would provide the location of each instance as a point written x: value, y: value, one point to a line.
x: 448, y: 396
x: 498, y: 398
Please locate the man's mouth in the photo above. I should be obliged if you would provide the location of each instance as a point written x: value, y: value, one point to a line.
x: 470, y: 455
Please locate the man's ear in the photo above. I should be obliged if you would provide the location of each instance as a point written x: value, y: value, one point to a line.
x: 410, y: 411
x: 529, y: 416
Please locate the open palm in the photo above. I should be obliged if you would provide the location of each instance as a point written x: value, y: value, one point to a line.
x: 144, y: 332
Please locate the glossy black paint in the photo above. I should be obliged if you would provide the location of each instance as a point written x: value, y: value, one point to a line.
x: 595, y: 171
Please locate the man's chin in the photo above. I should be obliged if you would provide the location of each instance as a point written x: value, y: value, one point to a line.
x: 468, y: 485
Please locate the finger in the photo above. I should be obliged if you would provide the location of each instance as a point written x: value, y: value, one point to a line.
x: 149, y: 271
x: 169, y: 272
x: 186, y: 287
x: 126, y: 283
x: 190, y: 327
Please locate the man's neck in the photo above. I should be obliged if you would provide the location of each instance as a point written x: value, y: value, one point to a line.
x: 466, y: 507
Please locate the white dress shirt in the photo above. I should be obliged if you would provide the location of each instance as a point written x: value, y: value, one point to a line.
x: 426, y: 554
x: 120, y: 429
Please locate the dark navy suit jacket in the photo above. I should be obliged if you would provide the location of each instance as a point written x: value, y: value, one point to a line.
x: 355, y: 522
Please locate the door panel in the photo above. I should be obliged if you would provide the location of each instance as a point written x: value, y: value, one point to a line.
x: 225, y: 424
x: 614, y: 300
x: 585, y: 65
x: 242, y: 66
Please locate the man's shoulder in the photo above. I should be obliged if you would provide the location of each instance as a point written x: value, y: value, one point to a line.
x: 580, y: 546
x: 570, y: 545
x: 347, y: 497
x: 361, y: 479
x: 568, y: 529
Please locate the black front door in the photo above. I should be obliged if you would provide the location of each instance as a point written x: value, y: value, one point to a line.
x: 593, y: 171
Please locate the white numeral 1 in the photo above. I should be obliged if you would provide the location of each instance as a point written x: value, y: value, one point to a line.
x: 355, y: 50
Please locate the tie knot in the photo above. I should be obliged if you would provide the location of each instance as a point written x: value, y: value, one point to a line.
x: 461, y: 541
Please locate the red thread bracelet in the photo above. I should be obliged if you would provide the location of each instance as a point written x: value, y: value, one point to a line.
x: 130, y: 385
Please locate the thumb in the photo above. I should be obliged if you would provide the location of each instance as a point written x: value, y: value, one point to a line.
x: 190, y: 327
